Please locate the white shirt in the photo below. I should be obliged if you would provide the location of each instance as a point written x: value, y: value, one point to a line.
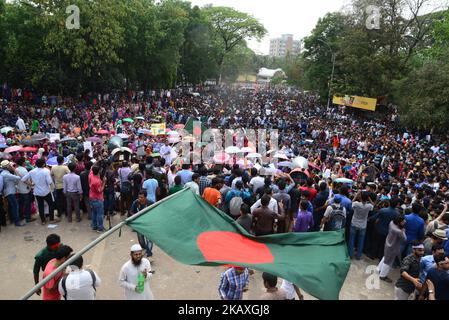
x: 435, y: 149
x: 42, y: 181
x: 22, y: 187
x: 257, y: 182
x: 273, y: 205
x: 21, y: 124
x: 234, y: 181
x: 79, y: 284
x: 194, y: 186
x: 128, y: 280
x: 289, y: 289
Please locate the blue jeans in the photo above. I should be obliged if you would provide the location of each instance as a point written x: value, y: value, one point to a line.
x: 25, y: 205
x: 97, y: 214
x: 146, y: 244
x: 360, y: 235
x: 13, y: 208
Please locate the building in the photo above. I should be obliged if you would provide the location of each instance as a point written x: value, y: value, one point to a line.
x: 279, y: 47
x: 266, y: 75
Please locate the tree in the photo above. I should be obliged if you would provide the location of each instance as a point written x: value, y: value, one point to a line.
x: 231, y: 28
x: 197, y: 62
x: 424, y: 96
x: 318, y: 49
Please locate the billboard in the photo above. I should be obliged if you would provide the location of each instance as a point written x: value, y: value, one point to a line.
x: 356, y: 102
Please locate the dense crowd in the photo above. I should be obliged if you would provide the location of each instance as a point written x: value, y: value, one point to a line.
x: 385, y: 185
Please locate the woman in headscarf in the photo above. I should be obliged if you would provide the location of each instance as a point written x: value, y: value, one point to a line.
x: 38, y: 155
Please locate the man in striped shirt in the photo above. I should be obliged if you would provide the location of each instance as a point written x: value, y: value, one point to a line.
x: 233, y: 283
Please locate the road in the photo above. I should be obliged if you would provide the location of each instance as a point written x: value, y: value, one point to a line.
x: 172, y: 280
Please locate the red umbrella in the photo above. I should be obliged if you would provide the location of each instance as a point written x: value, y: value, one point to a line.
x: 103, y: 132
x: 28, y: 149
x: 179, y: 126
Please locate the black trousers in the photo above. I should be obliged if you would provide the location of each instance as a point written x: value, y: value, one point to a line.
x: 61, y: 203
x: 378, y: 245
x: 2, y: 213
x: 51, y: 208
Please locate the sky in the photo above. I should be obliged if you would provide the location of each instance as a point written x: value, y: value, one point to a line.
x: 297, y: 17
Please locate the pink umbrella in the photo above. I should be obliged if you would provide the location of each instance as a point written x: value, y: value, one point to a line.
x: 241, y: 163
x: 179, y: 126
x: 95, y: 139
x: 103, y: 132
x: 314, y: 166
x: 13, y: 149
x: 221, y: 158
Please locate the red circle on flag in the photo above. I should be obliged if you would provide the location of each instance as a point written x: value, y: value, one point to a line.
x: 218, y: 246
x: 197, y: 131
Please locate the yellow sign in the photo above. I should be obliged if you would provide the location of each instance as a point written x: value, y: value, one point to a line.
x: 158, y: 129
x: 356, y: 102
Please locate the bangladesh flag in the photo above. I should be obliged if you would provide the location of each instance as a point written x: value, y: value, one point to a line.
x: 195, y: 233
x: 189, y: 126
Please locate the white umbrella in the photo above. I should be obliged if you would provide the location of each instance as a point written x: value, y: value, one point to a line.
x: 285, y: 164
x: 140, y: 118
x: 174, y: 139
x: 68, y: 139
x: 123, y: 135
x: 247, y: 150
x: 280, y: 156
x: 344, y: 180
x: 122, y: 149
x: 254, y: 155
x: 6, y: 129
x: 173, y: 133
x: 232, y: 150
x: 300, y: 162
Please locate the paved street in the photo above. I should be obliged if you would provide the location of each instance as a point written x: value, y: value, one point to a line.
x: 172, y: 280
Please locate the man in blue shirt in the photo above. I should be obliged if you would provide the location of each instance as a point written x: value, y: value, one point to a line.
x: 383, y: 218
x: 150, y: 186
x: 233, y: 283
x: 414, y: 228
x: 185, y: 174
x: 428, y: 262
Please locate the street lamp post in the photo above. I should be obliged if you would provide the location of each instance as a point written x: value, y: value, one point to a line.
x: 332, y: 74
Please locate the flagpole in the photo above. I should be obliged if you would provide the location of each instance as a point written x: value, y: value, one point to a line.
x: 94, y: 243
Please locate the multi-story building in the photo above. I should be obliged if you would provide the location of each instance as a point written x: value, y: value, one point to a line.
x: 279, y: 47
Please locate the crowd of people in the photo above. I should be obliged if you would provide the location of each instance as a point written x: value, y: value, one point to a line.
x: 386, y: 186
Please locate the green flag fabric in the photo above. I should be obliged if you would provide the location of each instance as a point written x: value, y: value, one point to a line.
x: 189, y: 126
x: 195, y: 233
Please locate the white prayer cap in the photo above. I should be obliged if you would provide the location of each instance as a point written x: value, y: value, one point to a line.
x: 136, y: 247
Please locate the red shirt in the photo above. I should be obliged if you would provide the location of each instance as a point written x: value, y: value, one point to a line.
x: 47, y: 293
x: 312, y: 193
x: 96, y: 187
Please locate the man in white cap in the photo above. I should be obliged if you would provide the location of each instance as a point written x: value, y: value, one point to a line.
x: 410, y: 271
x: 135, y: 275
x: 10, y: 181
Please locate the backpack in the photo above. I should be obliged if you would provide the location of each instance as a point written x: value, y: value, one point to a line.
x: 337, y: 219
x: 64, y: 278
x: 234, y: 206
